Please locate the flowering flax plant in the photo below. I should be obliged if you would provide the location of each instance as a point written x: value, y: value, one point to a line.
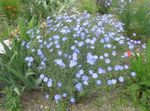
x: 79, y: 52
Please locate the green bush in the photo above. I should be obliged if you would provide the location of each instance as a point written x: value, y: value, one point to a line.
x: 43, y: 8
x: 139, y: 87
x: 136, y: 17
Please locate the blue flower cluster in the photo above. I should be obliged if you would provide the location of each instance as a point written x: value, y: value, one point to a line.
x: 75, y: 51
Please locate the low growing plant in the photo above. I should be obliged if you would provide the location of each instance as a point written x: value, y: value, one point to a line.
x: 75, y: 55
x: 139, y: 87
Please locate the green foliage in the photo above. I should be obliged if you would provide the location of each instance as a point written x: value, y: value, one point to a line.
x: 13, y: 70
x: 140, y: 86
x: 43, y: 8
x: 61, y: 106
x: 10, y: 8
x: 88, y: 5
x: 136, y: 17
x: 12, y: 100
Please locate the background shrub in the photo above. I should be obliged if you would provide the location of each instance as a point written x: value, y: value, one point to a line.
x: 43, y: 8
x: 87, y: 5
x: 10, y: 8
x: 135, y: 16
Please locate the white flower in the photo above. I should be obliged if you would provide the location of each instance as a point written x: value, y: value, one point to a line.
x: 121, y: 42
x: 91, y: 72
x: 109, y: 68
x: 49, y: 83
x: 81, y: 71
x: 131, y: 46
x: 95, y: 75
x: 73, y: 47
x: 121, y: 79
x: 133, y: 74
x: 109, y: 82
x: 107, y: 61
x: 59, y: 84
x: 64, y: 95
x: 106, y: 54
x: 29, y: 59
x: 47, y: 96
x: 78, y: 75
x: 80, y: 44
x: 114, y: 53
x: 101, y: 57
x: 58, y: 61
x: 126, y: 66
x: 109, y: 46
x: 72, y: 100
x: 72, y: 63
x: 45, y: 79
x: 113, y: 81
x: 42, y: 76
x: 85, y: 83
x: 59, y: 52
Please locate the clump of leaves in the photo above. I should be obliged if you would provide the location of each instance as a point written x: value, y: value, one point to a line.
x: 13, y: 69
x: 12, y: 100
x: 139, y: 87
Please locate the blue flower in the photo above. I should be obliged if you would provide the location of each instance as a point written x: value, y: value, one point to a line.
x: 95, y: 75
x: 107, y: 61
x: 109, y: 82
x: 79, y: 87
x: 72, y: 63
x: 57, y: 97
x: 59, y: 84
x: 98, y: 82
x: 72, y: 100
x: 133, y: 74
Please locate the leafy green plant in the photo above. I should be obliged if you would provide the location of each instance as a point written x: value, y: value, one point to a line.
x: 135, y: 16
x: 13, y: 70
x: 43, y: 8
x: 12, y: 100
x: 139, y: 87
x: 61, y: 106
